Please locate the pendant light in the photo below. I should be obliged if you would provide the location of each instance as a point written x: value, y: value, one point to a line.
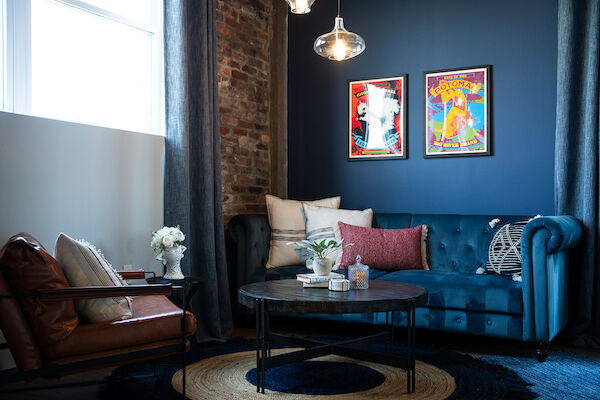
x: 339, y: 44
x: 300, y: 6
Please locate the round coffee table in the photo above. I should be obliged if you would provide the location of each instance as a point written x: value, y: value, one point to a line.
x: 290, y: 297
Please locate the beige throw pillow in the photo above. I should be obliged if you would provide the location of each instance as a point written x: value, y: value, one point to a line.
x: 287, y: 225
x: 322, y: 223
x: 84, y: 265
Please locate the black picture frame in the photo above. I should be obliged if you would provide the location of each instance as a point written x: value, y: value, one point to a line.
x: 488, y: 92
x: 403, y: 123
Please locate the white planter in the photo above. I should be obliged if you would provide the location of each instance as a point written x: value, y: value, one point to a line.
x: 171, y: 258
x: 322, y: 266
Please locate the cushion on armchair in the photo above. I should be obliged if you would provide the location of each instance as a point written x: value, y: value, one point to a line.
x: 17, y: 332
x: 155, y: 319
x: 28, y: 267
x: 84, y: 265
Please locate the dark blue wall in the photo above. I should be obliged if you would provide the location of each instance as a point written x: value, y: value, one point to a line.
x: 519, y: 39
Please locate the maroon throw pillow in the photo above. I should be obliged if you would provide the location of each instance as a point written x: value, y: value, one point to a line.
x: 383, y: 248
x: 27, y: 267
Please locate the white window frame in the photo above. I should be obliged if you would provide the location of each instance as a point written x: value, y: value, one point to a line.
x: 15, y: 48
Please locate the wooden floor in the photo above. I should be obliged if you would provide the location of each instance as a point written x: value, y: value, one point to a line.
x: 461, y: 343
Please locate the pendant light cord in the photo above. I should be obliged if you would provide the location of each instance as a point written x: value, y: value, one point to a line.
x: 338, y: 8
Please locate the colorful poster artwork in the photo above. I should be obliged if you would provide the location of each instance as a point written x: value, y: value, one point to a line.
x: 377, y: 119
x: 457, y: 106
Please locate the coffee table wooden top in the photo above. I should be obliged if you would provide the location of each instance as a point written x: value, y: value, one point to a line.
x: 290, y: 296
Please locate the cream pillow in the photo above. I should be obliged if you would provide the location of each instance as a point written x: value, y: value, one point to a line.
x: 287, y: 225
x: 84, y: 265
x: 322, y: 223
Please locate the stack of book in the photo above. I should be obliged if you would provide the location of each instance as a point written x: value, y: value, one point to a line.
x: 317, y: 281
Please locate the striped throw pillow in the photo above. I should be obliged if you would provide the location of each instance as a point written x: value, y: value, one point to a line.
x: 504, y: 253
x: 287, y: 225
x: 322, y: 223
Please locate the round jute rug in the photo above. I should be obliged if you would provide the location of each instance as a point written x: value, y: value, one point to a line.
x: 226, y: 376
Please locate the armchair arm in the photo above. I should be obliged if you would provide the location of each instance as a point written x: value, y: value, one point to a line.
x: 95, y: 292
x: 544, y: 263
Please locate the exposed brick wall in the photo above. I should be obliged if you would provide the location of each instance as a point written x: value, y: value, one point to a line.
x: 244, y: 96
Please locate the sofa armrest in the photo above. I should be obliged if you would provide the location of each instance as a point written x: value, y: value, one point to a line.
x: 544, y: 262
x: 564, y: 231
x: 247, y: 242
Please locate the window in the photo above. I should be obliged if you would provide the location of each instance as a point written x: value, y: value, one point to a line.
x: 97, y: 62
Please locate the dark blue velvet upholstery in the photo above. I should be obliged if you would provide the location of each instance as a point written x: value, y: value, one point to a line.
x: 462, y: 291
x: 440, y: 319
x: 457, y: 243
x: 459, y: 299
x: 287, y: 272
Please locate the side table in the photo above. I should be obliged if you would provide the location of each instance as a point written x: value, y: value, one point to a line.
x: 183, y: 290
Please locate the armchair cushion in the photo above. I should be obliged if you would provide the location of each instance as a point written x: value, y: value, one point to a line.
x: 28, y: 267
x: 83, y: 265
x: 154, y: 319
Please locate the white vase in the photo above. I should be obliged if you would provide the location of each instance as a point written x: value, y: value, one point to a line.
x: 171, y: 258
x: 322, y: 266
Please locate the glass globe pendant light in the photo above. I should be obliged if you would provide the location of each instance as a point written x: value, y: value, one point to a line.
x: 339, y: 44
x: 300, y: 6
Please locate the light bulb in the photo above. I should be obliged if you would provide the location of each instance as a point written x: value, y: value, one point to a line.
x: 301, y: 6
x: 339, y: 44
x: 339, y: 50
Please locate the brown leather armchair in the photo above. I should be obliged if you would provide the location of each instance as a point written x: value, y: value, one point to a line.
x: 156, y: 329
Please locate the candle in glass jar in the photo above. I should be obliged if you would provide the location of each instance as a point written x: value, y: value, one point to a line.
x: 358, y: 274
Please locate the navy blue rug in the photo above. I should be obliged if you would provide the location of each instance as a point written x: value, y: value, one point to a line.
x: 564, y: 375
x: 475, y: 378
x: 326, y: 378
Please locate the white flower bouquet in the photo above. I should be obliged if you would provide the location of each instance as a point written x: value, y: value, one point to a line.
x: 168, y: 240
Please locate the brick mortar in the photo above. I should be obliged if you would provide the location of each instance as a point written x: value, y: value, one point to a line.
x: 243, y: 46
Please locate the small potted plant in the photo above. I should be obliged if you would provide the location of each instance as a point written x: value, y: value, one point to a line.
x: 168, y: 241
x: 317, y: 253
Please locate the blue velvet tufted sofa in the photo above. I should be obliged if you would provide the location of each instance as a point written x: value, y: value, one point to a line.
x: 533, y: 310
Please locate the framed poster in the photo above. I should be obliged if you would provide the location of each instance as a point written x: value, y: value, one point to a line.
x: 457, y: 112
x: 377, y: 127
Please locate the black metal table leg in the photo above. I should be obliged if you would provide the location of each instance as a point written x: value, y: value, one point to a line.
x: 258, y: 345
x: 183, y: 350
x: 387, y: 327
x: 391, y: 331
x: 414, y: 345
x: 408, y: 349
x: 268, y: 325
x: 264, y: 346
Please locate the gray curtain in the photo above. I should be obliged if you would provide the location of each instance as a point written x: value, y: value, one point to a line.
x: 192, y: 158
x: 576, y: 158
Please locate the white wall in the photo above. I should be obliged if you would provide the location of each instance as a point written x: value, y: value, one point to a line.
x: 100, y: 184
